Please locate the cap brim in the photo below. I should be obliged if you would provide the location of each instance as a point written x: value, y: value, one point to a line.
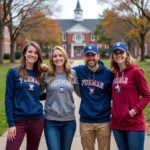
x: 90, y: 52
x: 120, y: 48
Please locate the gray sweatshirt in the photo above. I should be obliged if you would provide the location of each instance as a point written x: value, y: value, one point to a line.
x: 59, y: 105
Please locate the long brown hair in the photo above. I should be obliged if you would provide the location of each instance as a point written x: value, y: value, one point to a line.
x: 67, y: 66
x: 114, y: 66
x: 37, y: 64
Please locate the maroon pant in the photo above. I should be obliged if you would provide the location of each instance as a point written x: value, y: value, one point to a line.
x: 33, y: 130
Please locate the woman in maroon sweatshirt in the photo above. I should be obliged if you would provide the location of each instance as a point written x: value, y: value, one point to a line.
x: 130, y: 95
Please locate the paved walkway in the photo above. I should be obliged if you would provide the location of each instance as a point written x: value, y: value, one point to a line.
x: 76, y: 142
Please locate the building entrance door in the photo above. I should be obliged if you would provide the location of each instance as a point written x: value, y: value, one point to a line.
x: 78, y: 50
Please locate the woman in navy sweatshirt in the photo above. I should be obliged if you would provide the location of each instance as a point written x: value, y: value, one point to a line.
x: 130, y: 95
x: 24, y: 112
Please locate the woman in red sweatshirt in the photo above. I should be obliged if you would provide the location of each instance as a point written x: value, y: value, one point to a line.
x: 130, y: 95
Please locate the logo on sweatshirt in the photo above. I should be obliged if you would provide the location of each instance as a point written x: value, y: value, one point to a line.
x: 120, y: 80
x: 31, y: 87
x: 29, y: 79
x: 94, y: 83
x: 61, y: 89
x: 91, y: 90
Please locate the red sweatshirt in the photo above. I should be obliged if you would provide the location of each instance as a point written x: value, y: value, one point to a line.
x: 129, y: 91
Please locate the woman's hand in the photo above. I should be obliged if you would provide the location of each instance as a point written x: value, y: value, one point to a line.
x: 44, y: 67
x: 11, y: 134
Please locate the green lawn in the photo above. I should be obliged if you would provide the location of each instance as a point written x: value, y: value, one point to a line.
x: 3, y: 71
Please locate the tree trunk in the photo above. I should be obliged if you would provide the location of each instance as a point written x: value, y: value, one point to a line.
x: 142, y: 46
x: 1, y: 42
x: 12, y: 51
x: 1, y: 50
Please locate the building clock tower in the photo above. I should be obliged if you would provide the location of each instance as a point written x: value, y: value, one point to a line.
x: 78, y: 13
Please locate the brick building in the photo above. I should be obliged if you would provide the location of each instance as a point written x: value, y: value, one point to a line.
x: 77, y: 32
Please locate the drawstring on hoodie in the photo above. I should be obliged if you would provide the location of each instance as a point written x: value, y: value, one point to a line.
x: 91, y: 88
x: 117, y: 87
x: 122, y: 74
x: 90, y: 75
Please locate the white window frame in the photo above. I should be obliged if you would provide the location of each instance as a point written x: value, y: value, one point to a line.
x: 145, y: 46
x: 78, y: 37
x: 7, y: 47
x: 65, y: 47
x: 92, y: 37
x: 64, y: 37
x: 106, y: 46
x: 99, y: 46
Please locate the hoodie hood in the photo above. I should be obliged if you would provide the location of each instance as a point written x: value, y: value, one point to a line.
x: 128, y: 68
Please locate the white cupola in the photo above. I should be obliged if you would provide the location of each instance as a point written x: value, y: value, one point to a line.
x: 78, y: 13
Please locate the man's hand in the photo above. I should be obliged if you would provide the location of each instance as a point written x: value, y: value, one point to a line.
x: 44, y: 67
x: 11, y: 134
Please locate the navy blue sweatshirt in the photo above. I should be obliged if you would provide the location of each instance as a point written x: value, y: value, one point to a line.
x: 95, y: 90
x: 22, y: 97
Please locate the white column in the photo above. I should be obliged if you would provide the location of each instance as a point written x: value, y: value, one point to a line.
x: 72, y: 50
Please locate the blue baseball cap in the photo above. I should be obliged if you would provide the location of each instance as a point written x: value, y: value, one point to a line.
x: 90, y: 48
x: 121, y: 46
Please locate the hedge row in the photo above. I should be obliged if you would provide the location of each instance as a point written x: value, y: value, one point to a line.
x: 17, y: 55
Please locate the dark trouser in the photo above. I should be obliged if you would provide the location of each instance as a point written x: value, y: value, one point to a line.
x: 129, y: 140
x: 32, y: 128
x: 59, y: 134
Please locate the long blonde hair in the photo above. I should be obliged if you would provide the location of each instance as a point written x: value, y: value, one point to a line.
x: 67, y: 66
x: 37, y: 64
x: 114, y: 66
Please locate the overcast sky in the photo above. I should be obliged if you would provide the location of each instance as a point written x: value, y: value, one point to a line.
x: 90, y: 9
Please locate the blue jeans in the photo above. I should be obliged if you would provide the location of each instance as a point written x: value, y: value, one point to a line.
x: 59, y: 134
x: 129, y: 140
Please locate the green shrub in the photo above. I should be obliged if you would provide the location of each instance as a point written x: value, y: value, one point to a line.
x: 105, y: 52
x: 6, y: 56
x: 18, y: 54
x: 147, y: 57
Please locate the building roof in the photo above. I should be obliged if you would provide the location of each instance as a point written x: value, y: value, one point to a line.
x: 78, y: 7
x: 66, y: 24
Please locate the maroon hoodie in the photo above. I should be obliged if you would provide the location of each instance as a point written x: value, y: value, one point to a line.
x: 129, y: 91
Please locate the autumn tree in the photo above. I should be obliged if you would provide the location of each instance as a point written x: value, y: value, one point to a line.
x: 46, y: 33
x: 146, y: 4
x: 17, y: 12
x: 99, y: 32
x: 133, y: 17
x: 117, y: 28
x: 3, y: 22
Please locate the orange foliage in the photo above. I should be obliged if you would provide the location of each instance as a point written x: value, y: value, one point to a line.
x: 147, y: 39
x: 43, y: 30
x: 113, y: 25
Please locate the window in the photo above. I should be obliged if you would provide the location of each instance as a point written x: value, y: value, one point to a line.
x: 65, y: 47
x: 78, y: 37
x: 6, y: 32
x: 7, y: 47
x: 92, y: 37
x: 64, y: 38
x: 106, y: 46
x: 145, y: 49
x: 99, y: 46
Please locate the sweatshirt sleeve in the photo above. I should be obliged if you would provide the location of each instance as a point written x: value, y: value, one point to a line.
x: 43, y: 85
x: 143, y: 89
x: 76, y: 83
x: 9, y: 96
